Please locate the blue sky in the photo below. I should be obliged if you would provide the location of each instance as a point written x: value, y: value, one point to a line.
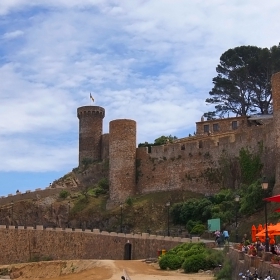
x: 151, y: 61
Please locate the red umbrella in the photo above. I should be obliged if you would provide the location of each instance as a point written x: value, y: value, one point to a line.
x: 275, y: 198
x: 277, y: 210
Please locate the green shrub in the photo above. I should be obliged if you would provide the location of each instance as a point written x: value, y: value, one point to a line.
x: 170, y: 261
x: 198, y: 229
x: 214, y: 258
x: 163, y: 262
x: 129, y: 201
x: 194, y: 263
x: 99, y: 190
x: 194, y: 251
x: 80, y: 205
x: 103, y: 184
x: 225, y: 272
x: 64, y: 194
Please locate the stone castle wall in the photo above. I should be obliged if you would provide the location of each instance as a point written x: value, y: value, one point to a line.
x: 184, y: 165
x: 276, y: 115
x: 22, y: 245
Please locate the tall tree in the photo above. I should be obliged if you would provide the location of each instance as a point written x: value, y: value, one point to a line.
x: 242, y: 85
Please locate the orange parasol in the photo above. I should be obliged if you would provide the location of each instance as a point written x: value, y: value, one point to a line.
x: 253, y: 233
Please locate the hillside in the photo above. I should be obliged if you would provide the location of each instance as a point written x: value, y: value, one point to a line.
x: 80, y: 200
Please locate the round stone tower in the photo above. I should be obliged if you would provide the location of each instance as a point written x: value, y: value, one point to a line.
x: 90, y: 132
x: 275, y: 82
x: 122, y: 159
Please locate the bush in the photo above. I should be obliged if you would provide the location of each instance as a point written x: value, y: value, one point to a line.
x: 170, y: 261
x: 103, y: 184
x: 129, y: 201
x: 80, y: 205
x: 194, y: 263
x: 63, y: 194
x: 192, y: 257
x: 225, y: 272
x: 198, y: 229
x: 214, y: 258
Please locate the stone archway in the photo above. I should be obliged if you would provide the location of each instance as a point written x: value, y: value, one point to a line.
x: 127, y: 251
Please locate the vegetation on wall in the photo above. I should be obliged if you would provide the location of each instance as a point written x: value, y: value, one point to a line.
x: 250, y: 165
x: 162, y: 140
x: 233, y: 171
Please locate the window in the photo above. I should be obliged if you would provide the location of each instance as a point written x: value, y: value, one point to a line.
x: 234, y: 125
x: 206, y: 128
x: 216, y: 127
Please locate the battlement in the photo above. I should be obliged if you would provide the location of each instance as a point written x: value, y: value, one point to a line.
x: 141, y: 235
x: 206, y: 142
x: 87, y: 111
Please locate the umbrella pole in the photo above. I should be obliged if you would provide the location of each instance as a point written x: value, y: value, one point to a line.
x: 266, y: 232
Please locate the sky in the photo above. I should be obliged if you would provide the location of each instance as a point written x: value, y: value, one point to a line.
x: 152, y: 61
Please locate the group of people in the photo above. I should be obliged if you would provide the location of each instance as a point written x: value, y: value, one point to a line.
x: 253, y: 247
x: 221, y: 237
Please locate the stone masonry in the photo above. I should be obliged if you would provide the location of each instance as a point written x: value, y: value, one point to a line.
x: 22, y: 245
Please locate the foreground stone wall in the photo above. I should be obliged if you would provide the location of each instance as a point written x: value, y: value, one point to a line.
x: 242, y: 262
x: 22, y: 245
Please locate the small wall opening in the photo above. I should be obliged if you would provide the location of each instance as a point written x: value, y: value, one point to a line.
x: 127, y: 251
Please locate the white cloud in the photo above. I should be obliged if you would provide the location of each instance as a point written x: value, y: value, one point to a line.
x: 152, y: 61
x: 12, y: 35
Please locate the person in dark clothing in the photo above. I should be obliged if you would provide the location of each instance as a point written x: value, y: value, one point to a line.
x: 272, y: 250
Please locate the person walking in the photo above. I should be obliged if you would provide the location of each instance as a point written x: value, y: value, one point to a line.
x: 217, y: 235
x: 226, y: 236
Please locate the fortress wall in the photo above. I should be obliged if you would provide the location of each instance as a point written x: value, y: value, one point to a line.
x: 170, y: 167
x: 122, y: 157
x: 30, y: 195
x: 21, y: 245
x: 94, y: 173
x: 105, y: 146
x: 275, y: 80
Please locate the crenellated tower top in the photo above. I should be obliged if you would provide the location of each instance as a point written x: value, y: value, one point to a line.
x: 89, y: 111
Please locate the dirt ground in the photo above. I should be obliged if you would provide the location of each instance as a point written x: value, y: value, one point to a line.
x: 97, y: 270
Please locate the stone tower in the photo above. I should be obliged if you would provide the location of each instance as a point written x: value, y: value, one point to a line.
x: 275, y: 81
x: 122, y: 158
x: 90, y: 132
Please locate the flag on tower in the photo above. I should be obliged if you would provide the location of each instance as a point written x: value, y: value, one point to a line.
x: 90, y: 96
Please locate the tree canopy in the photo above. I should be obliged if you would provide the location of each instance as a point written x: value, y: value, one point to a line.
x: 162, y: 140
x: 243, y: 83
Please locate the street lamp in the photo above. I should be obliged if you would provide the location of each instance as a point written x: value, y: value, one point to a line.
x: 68, y: 213
x: 236, y: 199
x: 121, y: 206
x: 168, y: 205
x: 12, y: 205
x: 265, y: 187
